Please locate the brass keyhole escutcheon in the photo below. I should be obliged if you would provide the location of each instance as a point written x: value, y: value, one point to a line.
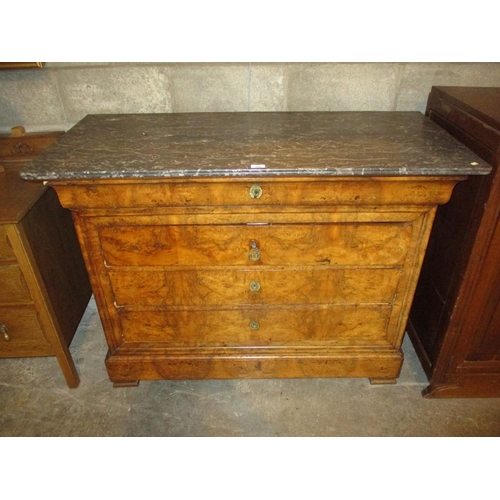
x: 254, y: 254
x: 254, y: 325
x: 254, y: 286
x: 255, y: 191
x: 5, y: 332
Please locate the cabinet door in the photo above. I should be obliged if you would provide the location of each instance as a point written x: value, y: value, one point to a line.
x: 481, y: 328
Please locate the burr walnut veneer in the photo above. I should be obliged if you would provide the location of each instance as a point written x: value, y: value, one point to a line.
x: 254, y: 244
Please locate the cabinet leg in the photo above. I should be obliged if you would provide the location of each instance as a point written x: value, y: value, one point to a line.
x: 383, y: 381
x: 126, y: 383
x: 68, y: 368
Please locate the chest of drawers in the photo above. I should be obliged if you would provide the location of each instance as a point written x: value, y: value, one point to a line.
x: 254, y: 244
x: 44, y: 287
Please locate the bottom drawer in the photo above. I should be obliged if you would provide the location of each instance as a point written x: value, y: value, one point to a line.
x: 285, y: 326
x: 21, y: 333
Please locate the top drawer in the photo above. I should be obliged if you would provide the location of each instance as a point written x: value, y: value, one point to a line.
x: 6, y: 252
x: 255, y: 192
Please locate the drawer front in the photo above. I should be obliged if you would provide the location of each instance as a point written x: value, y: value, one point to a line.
x: 293, y: 326
x: 243, y: 245
x: 6, y: 252
x: 19, y: 328
x: 469, y: 124
x: 163, y: 288
x: 252, y: 193
x: 13, y: 286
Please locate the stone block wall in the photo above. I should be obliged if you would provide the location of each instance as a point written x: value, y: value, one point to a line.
x: 60, y: 94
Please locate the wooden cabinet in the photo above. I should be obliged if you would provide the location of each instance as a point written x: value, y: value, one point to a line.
x: 44, y: 285
x: 254, y: 244
x: 455, y: 320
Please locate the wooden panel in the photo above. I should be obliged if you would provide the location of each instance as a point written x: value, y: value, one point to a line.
x: 13, y: 286
x: 52, y: 239
x: 143, y: 287
x: 254, y: 363
x: 450, y: 244
x: 485, y: 152
x: 17, y: 196
x: 292, y: 244
x: 297, y: 325
x: 27, y: 146
x: 468, y: 123
x: 480, y: 102
x: 481, y: 325
x: 25, y: 332
x: 6, y: 252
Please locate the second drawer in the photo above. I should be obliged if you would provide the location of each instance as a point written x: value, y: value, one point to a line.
x: 354, y: 244
x: 13, y: 287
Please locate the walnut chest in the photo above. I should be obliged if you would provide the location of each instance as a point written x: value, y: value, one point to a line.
x: 233, y: 245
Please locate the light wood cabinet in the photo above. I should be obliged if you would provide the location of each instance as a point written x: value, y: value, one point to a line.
x: 44, y: 287
x: 203, y: 266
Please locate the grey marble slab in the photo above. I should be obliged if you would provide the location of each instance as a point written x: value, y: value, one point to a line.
x: 122, y: 146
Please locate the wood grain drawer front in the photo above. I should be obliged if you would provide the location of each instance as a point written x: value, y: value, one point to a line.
x: 296, y: 325
x: 469, y: 124
x: 277, y: 245
x: 164, y: 288
x: 6, y: 252
x: 19, y: 327
x: 252, y: 193
x: 14, y: 289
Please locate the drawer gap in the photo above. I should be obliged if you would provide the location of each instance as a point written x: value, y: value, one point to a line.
x: 252, y: 307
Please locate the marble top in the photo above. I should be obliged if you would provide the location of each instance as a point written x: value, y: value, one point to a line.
x: 259, y: 144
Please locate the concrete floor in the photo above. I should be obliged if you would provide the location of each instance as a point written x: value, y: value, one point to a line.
x: 35, y: 401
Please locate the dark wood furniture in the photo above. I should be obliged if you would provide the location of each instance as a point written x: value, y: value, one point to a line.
x: 455, y: 319
x: 254, y: 244
x: 44, y: 287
